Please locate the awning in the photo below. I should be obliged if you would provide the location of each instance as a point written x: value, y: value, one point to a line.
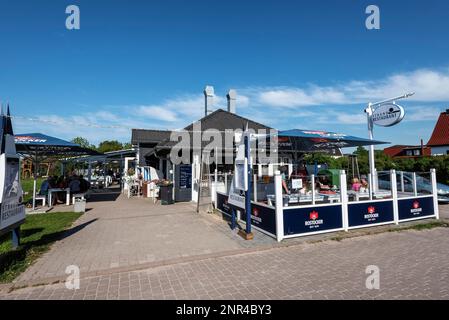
x: 43, y: 145
x: 314, y: 140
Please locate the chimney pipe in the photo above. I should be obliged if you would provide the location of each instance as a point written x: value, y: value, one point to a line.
x: 208, y: 99
x: 232, y: 97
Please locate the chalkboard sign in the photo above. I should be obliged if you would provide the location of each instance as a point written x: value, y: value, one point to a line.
x: 185, y: 176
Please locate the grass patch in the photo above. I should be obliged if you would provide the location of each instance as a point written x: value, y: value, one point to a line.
x: 37, y: 234
x: 27, y: 186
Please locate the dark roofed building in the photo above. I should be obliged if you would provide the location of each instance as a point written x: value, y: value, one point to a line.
x: 144, y: 140
x: 220, y: 120
x: 439, y: 141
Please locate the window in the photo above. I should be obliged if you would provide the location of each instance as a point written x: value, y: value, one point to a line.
x: 408, y: 152
x: 417, y: 152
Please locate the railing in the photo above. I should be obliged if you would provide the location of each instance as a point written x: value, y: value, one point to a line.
x: 305, y: 205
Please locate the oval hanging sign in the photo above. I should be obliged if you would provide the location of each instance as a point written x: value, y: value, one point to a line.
x: 388, y: 115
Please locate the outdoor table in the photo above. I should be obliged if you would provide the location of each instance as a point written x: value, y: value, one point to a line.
x: 50, y: 191
x: 365, y: 195
x: 304, y: 198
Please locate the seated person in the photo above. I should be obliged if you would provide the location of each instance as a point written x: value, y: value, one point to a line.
x: 74, y: 185
x: 284, y: 174
x: 356, y: 185
x: 324, y: 184
x: 46, y: 184
x: 84, y: 184
x: 364, y: 185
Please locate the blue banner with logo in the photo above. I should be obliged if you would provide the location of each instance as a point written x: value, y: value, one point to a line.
x: 263, y: 218
x: 415, y: 208
x: 367, y: 213
x: 312, y: 219
x: 223, y: 205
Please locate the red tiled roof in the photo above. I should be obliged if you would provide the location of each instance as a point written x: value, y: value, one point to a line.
x: 440, y: 135
x: 394, y: 150
x: 398, y: 151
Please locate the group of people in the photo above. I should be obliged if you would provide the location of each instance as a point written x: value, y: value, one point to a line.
x: 359, y: 185
x: 322, y: 183
x: 76, y: 184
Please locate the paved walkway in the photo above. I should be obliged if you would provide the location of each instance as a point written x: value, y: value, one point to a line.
x: 118, y: 233
x: 412, y: 265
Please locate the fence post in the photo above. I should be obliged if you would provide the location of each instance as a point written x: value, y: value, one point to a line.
x: 402, y: 181
x: 394, y: 194
x: 344, y: 199
x: 279, y: 206
x: 415, y: 190
x: 255, y: 188
x: 433, y: 179
x: 312, y: 179
x: 226, y: 182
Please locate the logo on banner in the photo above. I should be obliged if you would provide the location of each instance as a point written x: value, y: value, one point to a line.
x: 372, y: 215
x: 256, y: 212
x: 28, y: 139
x: 416, y: 208
x: 314, y: 221
x: 255, y: 215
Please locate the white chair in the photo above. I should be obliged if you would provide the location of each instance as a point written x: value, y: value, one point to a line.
x: 42, y: 198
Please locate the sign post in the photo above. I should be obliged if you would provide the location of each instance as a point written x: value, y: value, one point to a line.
x: 384, y: 113
x: 12, y: 211
x: 241, y: 183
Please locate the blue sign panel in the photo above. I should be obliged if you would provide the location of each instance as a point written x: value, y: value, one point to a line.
x: 415, y: 208
x: 360, y: 214
x: 313, y: 219
x: 263, y: 218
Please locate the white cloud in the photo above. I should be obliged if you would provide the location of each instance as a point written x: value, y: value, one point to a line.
x: 276, y: 106
x: 428, y: 85
x: 157, y: 112
x: 298, y: 97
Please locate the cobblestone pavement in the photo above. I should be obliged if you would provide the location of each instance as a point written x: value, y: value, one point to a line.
x: 119, y: 233
x: 412, y: 264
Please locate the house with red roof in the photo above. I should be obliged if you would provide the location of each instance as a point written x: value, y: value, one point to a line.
x: 407, y: 151
x: 439, y: 141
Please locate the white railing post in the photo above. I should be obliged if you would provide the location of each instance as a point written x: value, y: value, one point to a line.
x: 312, y: 179
x: 371, y: 186
x: 279, y: 206
x: 394, y: 194
x: 433, y: 179
x: 344, y: 199
x: 402, y: 181
x: 255, y: 187
x: 415, y: 190
x: 226, y: 182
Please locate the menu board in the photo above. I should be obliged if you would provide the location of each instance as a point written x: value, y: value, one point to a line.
x: 185, y: 176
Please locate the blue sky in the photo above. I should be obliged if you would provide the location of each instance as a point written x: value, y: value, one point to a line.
x: 294, y: 64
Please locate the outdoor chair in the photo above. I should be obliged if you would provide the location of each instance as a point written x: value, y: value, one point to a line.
x: 42, y: 198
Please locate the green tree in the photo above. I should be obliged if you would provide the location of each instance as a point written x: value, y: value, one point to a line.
x: 109, y: 145
x: 83, y: 142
